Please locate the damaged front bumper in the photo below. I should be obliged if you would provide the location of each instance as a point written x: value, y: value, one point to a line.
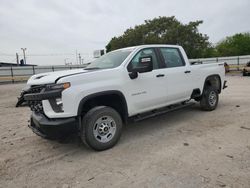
x: 52, y: 128
x: 37, y: 94
x: 40, y: 123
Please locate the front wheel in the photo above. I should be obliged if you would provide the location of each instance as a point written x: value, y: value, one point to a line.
x: 101, y: 128
x: 210, y: 99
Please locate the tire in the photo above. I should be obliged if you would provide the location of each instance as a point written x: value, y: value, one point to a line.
x: 101, y: 128
x: 209, y: 99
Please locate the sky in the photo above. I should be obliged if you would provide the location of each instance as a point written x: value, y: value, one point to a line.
x: 53, y: 30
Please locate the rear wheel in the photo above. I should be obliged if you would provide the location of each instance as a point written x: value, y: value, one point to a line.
x: 101, y: 128
x: 209, y: 99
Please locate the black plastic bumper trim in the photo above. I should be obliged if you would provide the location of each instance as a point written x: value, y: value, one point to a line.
x: 52, y: 128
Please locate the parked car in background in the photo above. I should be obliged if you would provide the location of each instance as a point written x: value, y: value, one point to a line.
x: 246, y: 69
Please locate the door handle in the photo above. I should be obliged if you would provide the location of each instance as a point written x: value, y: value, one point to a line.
x: 160, y: 75
x: 186, y: 72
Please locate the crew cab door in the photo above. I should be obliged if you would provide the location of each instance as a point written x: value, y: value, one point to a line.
x: 147, y: 90
x: 178, y: 75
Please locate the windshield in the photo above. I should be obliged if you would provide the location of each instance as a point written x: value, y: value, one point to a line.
x: 110, y: 60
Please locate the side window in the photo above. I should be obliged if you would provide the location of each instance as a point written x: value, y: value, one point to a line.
x: 172, y: 57
x: 144, y: 53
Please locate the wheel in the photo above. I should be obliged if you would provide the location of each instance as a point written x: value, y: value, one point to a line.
x: 101, y: 128
x: 209, y: 99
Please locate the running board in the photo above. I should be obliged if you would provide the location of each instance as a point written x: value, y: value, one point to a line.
x: 160, y: 111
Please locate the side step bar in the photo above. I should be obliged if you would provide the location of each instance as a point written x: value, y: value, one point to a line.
x: 160, y: 111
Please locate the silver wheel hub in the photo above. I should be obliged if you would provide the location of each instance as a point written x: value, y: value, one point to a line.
x: 212, y: 98
x: 104, y: 129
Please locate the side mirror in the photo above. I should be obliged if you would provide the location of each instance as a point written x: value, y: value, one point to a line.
x: 145, y: 65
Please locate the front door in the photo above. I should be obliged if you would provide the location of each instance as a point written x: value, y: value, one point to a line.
x: 148, y: 90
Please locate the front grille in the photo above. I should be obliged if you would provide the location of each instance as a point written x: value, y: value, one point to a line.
x: 36, y: 88
x: 36, y: 106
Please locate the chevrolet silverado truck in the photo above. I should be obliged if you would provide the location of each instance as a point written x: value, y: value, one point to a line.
x: 132, y: 83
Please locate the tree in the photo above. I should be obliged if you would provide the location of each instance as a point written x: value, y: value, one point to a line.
x: 238, y: 44
x: 165, y: 30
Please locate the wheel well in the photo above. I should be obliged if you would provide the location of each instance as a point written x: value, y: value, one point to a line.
x: 115, y: 100
x: 213, y: 81
x: 196, y: 94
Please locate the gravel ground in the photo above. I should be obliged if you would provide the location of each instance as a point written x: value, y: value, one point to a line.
x: 185, y: 148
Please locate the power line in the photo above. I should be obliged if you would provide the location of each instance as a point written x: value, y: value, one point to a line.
x: 65, y: 54
x: 61, y: 54
x: 4, y: 54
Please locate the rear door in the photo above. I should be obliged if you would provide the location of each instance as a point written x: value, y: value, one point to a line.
x: 178, y: 76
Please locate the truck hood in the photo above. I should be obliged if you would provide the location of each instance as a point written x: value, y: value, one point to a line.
x: 51, y: 77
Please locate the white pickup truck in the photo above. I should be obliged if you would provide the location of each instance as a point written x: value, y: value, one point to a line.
x: 127, y: 84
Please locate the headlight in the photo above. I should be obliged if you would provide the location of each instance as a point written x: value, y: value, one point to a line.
x: 58, y: 86
x: 59, y: 101
x: 59, y: 104
x: 56, y: 103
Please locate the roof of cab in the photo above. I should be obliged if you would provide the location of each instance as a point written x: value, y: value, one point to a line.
x: 147, y: 46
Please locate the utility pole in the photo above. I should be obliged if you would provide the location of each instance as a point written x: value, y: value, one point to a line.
x: 24, y: 57
x: 17, y: 59
x: 65, y: 61
x: 76, y: 58
x: 80, y: 59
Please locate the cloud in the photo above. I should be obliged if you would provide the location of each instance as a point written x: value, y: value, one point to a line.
x: 62, y: 26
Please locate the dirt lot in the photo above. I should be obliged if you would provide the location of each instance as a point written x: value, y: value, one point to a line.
x: 186, y: 148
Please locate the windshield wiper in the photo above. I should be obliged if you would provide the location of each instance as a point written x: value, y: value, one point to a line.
x: 92, y: 68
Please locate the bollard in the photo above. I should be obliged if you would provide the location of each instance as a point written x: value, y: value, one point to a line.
x: 12, y: 77
x: 33, y: 67
x: 238, y: 63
